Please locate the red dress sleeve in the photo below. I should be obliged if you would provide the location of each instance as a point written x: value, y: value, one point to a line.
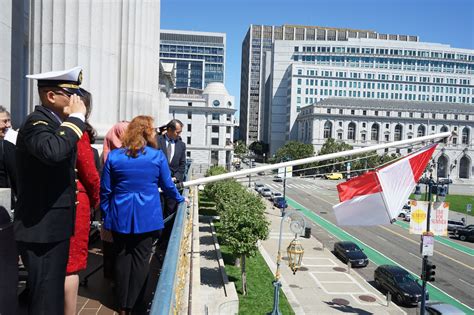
x: 87, y: 171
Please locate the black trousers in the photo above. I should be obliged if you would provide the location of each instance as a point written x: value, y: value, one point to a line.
x: 169, y: 206
x: 132, y: 267
x: 8, y: 268
x: 46, y: 265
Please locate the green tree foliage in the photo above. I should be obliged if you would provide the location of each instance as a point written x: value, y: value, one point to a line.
x: 294, y: 150
x: 240, y: 149
x: 258, y: 147
x: 242, y: 216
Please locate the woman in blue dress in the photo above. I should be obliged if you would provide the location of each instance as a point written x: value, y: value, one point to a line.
x: 131, y: 206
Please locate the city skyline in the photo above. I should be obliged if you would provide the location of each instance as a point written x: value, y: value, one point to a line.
x: 394, y: 17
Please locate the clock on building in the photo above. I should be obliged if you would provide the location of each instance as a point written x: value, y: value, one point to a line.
x: 216, y: 103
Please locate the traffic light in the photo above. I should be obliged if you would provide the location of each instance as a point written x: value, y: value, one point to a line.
x: 429, y: 274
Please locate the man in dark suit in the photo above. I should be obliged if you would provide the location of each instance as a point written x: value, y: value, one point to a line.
x: 174, y: 148
x: 7, y: 155
x: 45, y: 210
x: 175, y: 151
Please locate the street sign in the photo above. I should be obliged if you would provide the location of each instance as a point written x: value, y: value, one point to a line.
x: 469, y: 207
x: 427, y: 244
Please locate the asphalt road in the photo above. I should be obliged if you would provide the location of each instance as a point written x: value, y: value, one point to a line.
x: 455, y: 269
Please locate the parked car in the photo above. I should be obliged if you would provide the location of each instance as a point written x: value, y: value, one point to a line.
x: 266, y: 192
x: 275, y: 194
x: 465, y: 233
x: 441, y: 308
x: 403, y: 287
x: 454, y: 224
x: 280, y: 203
x: 277, y: 179
x: 350, y: 252
x: 334, y: 176
x: 404, y: 211
x: 407, y: 217
x: 258, y: 187
x: 261, y: 173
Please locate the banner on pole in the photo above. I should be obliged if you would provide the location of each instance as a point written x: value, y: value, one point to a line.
x: 439, y: 217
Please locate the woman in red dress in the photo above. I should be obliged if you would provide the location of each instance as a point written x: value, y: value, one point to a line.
x: 88, y: 188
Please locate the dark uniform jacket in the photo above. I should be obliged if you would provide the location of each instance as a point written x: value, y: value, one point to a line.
x: 46, y: 156
x: 178, y: 163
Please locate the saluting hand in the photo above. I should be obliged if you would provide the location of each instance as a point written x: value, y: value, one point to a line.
x: 76, y: 105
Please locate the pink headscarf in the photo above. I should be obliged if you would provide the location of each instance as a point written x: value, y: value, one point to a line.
x: 113, y: 138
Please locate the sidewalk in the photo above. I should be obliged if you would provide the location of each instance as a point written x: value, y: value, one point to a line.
x: 322, y: 285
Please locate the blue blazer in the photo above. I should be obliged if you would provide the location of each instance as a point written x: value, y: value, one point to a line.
x: 129, y: 195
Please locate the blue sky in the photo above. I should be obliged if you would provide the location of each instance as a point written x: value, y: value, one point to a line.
x: 448, y: 22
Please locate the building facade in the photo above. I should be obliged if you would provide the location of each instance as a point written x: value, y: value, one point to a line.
x: 287, y: 67
x: 199, y: 57
x: 362, y: 123
x: 208, y: 119
x: 120, y: 69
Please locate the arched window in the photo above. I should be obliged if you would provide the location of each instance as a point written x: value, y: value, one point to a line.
x: 444, y: 129
x: 398, y: 132
x: 351, y: 130
x: 443, y: 166
x: 421, y: 131
x: 464, y: 166
x: 465, y: 136
x: 374, y: 132
x: 327, y: 129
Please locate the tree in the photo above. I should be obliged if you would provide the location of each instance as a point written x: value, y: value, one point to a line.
x: 293, y: 150
x: 240, y: 148
x: 243, y: 225
x: 333, y: 146
x: 258, y: 147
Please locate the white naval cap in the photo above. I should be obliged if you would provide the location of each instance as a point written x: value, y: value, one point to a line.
x: 69, y: 80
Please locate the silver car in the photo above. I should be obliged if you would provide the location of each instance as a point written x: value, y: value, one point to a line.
x: 440, y: 308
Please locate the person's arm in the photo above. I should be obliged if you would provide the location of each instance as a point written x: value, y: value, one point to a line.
x: 164, y: 181
x: 50, y: 145
x: 182, y: 164
x: 105, y: 189
x: 87, y: 170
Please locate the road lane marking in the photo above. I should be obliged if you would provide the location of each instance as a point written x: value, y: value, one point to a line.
x: 416, y: 256
x: 375, y: 256
x: 418, y: 243
x: 383, y: 239
x: 472, y: 285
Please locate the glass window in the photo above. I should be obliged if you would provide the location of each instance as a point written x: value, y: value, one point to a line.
x: 215, y: 141
x: 215, y: 116
x: 327, y: 130
x: 351, y: 131
x: 374, y: 132
x: 189, y: 127
x: 398, y: 132
x: 228, y: 129
x: 229, y: 117
x: 188, y: 140
x: 465, y: 136
x: 215, y: 128
x: 190, y: 115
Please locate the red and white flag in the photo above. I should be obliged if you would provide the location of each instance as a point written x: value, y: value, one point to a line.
x: 377, y: 196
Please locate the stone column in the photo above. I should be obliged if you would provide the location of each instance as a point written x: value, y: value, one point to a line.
x: 117, y: 44
x: 5, y: 55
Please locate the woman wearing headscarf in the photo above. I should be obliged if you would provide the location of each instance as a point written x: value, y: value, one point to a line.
x: 131, y: 205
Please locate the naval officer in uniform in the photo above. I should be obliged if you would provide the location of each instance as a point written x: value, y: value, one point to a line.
x: 45, y: 211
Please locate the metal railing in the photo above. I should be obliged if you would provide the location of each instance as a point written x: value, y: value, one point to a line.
x: 165, y: 300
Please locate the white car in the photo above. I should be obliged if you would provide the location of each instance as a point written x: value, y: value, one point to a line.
x: 407, y: 217
x: 275, y: 194
x: 258, y: 187
x: 266, y: 192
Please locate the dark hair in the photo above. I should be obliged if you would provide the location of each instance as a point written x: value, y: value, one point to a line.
x: 173, y: 123
x: 87, y: 99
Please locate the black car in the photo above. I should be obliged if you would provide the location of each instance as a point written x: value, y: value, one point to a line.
x: 403, y: 287
x: 277, y: 179
x: 465, y: 233
x: 350, y: 252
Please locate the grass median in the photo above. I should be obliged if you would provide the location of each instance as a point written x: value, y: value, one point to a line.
x: 259, y: 298
x: 457, y: 203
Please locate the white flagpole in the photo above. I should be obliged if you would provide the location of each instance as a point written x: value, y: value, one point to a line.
x: 312, y: 159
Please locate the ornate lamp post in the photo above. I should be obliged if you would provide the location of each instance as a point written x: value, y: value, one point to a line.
x: 295, y: 254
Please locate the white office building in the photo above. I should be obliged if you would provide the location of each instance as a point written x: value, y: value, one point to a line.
x: 208, y: 118
x: 306, y: 64
x: 361, y: 123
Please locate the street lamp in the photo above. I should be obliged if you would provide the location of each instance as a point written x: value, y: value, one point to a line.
x: 295, y: 254
x: 285, y: 159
